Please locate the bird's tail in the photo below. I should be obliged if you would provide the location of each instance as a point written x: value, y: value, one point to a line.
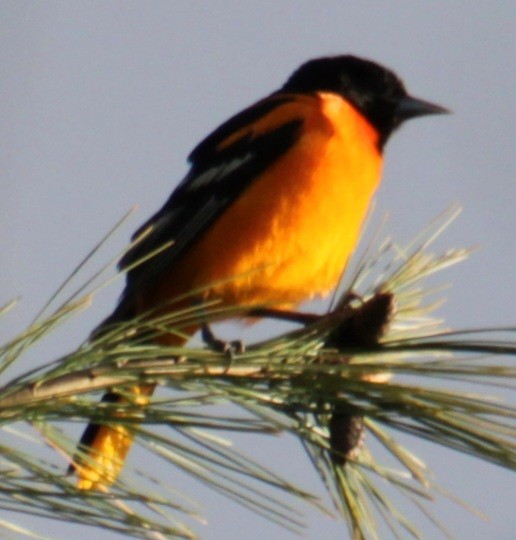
x: 104, y: 447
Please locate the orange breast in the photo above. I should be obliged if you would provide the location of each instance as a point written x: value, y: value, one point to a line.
x: 289, y: 236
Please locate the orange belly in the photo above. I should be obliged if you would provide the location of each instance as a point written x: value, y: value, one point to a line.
x: 289, y: 236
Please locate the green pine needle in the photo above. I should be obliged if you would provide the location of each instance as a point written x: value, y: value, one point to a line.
x: 412, y: 376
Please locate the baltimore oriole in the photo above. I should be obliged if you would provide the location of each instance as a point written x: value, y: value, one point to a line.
x: 268, y: 214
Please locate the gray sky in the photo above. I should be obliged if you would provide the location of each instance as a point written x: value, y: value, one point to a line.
x: 100, y: 102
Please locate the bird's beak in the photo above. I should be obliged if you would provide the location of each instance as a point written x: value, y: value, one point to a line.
x: 410, y: 107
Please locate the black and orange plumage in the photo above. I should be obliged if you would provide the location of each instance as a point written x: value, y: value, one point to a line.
x: 269, y: 213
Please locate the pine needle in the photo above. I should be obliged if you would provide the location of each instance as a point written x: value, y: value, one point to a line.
x: 404, y: 372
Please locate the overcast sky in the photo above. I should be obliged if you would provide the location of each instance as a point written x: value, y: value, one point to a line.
x: 101, y: 101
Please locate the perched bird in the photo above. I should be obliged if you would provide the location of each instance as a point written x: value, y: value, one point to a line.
x: 268, y: 214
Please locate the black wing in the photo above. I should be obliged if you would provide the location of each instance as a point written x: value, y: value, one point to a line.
x: 217, y: 177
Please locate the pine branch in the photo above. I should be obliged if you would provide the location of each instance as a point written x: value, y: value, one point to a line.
x: 366, y: 370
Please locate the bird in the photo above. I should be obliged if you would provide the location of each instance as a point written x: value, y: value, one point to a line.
x: 269, y: 213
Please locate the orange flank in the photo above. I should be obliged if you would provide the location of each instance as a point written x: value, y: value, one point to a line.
x: 294, y: 230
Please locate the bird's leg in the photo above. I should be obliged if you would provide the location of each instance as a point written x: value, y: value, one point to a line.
x: 237, y: 346
x: 284, y: 315
x: 220, y: 345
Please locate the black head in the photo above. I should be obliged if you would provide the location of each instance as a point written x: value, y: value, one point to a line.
x: 374, y: 90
